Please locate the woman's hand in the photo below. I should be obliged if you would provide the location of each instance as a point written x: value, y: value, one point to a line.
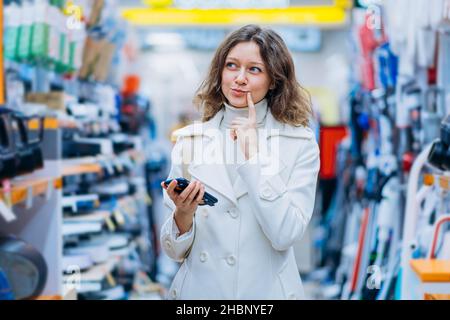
x: 244, y: 130
x: 186, y: 202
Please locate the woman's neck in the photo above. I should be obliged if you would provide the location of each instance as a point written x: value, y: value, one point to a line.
x: 231, y: 112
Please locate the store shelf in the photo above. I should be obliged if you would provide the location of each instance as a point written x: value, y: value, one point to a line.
x: 74, y: 169
x: 96, y: 216
x: 99, y: 272
x: 308, y: 16
x: 136, y: 155
x: 92, y: 164
x: 431, y: 270
x: 48, y: 298
x: 20, y: 190
x: 77, y: 229
x: 437, y: 296
x: 52, y: 124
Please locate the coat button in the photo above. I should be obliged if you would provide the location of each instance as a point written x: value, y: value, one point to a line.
x: 267, y: 192
x: 292, y: 296
x: 231, y: 260
x: 168, y: 244
x: 174, y: 293
x: 203, y: 256
x: 233, y: 213
x: 205, y: 212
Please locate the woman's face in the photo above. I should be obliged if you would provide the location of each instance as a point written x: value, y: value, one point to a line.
x: 244, y: 71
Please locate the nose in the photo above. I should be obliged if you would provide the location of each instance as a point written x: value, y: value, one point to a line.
x: 240, y: 78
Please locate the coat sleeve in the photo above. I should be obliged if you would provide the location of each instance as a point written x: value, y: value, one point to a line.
x: 176, y: 247
x: 283, y: 210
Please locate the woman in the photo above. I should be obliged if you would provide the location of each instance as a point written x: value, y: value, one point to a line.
x: 254, y: 152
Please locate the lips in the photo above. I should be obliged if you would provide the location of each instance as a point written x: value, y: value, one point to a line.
x: 238, y: 93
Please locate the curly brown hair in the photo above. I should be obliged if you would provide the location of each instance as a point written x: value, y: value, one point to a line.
x: 288, y: 102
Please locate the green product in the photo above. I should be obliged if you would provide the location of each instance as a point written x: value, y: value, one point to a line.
x: 11, y: 32
x: 10, y: 46
x: 72, y: 51
x: 63, y: 53
x: 40, y: 33
x: 39, y: 43
x: 24, y: 42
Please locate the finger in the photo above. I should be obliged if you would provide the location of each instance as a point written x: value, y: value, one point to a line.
x: 251, y: 108
x: 198, y: 195
x: 199, y: 198
x: 232, y: 134
x: 163, y: 185
x: 172, y: 185
x: 236, y: 127
x: 170, y: 189
x: 193, y: 193
x: 185, y: 193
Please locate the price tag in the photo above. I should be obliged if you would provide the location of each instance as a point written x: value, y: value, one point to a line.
x: 109, y: 167
x: 110, y: 279
x: 119, y: 217
x: 29, y: 199
x: 119, y: 166
x: 148, y: 200
x: 49, y: 191
x: 6, y: 212
x: 110, y: 224
x: 7, y: 193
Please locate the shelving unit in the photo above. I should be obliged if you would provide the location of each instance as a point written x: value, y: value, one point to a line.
x: 76, y: 169
x: 25, y: 190
x: 37, y: 210
x: 433, y: 276
x: 35, y: 202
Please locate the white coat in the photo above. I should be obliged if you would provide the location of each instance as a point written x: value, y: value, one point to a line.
x: 242, y: 248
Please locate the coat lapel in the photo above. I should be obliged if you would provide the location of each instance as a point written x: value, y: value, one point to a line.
x: 204, y: 167
x: 213, y: 173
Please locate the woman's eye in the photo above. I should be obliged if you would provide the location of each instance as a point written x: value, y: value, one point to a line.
x: 231, y: 65
x: 255, y: 69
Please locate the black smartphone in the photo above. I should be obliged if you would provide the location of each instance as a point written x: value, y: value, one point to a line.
x: 182, y: 184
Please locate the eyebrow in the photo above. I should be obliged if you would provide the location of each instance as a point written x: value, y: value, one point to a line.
x: 251, y: 62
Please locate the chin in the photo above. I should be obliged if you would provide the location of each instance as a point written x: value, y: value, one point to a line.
x: 237, y: 103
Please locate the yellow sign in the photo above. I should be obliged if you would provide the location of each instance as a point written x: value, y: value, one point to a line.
x: 311, y: 16
x: 158, y: 3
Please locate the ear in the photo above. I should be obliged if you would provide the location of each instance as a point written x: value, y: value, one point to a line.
x: 272, y: 86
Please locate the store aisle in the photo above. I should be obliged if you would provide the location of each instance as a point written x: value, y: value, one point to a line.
x: 92, y: 92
